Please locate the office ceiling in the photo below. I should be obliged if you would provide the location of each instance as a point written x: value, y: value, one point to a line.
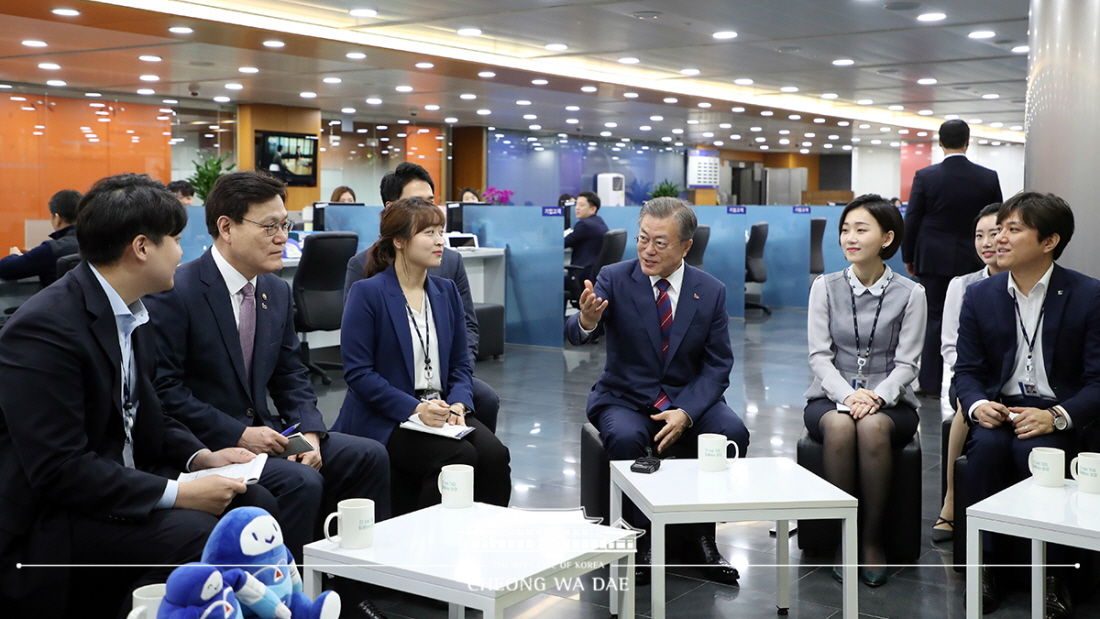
x: 779, y: 43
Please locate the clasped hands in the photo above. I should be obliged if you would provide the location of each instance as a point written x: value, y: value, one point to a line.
x: 1028, y: 422
x: 437, y: 413
x: 863, y: 402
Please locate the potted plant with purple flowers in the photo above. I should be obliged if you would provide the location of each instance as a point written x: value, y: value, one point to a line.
x: 497, y: 196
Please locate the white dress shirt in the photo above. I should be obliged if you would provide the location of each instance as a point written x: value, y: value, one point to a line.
x: 234, y: 281
x: 952, y: 308
x: 422, y: 330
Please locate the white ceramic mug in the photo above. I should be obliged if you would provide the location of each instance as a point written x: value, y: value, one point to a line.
x: 1048, y: 466
x: 354, y: 524
x: 1085, y: 468
x: 456, y: 485
x: 712, y: 452
x: 147, y: 601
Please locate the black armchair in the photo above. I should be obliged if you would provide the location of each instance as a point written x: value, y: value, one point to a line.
x: 755, y: 270
x: 698, y: 247
x: 614, y: 244
x: 319, y: 289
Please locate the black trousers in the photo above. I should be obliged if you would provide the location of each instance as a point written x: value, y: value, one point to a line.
x: 417, y: 458
x: 486, y: 404
x: 931, y: 361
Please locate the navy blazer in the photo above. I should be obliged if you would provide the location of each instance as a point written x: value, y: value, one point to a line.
x: 586, y: 241
x: 696, y: 371
x: 1071, y: 342
x: 200, y: 366
x: 939, y: 220
x: 61, y: 435
x: 377, y: 348
x: 450, y: 267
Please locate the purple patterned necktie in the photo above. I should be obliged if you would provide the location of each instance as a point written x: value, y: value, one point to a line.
x: 664, y: 312
x: 247, y: 326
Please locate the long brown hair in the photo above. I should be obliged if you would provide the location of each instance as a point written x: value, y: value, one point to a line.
x: 400, y: 220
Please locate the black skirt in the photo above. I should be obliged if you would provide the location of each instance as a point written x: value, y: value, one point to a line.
x: 904, y: 416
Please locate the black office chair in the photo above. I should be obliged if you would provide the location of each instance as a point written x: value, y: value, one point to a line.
x: 698, y: 247
x: 817, y: 258
x: 66, y: 264
x: 614, y: 244
x: 319, y: 289
x: 755, y: 270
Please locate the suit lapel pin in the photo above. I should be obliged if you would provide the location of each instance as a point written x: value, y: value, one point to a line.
x: 263, y: 296
x: 263, y: 305
x: 1059, y: 293
x: 696, y: 297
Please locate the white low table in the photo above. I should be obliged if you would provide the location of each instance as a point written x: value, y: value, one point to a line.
x: 483, y: 557
x: 1043, y: 515
x: 749, y: 489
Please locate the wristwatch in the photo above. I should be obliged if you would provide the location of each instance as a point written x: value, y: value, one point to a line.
x: 466, y: 410
x: 1060, y: 421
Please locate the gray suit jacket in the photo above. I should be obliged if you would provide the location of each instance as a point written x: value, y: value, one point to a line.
x: 449, y: 268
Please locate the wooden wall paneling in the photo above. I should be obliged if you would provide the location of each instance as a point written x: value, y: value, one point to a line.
x: 255, y: 117
x: 469, y: 154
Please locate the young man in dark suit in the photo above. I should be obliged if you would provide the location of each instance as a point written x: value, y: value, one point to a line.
x: 226, y: 342
x: 586, y: 239
x: 668, y: 355
x: 410, y: 180
x: 939, y: 233
x: 89, y: 461
x: 1028, y: 369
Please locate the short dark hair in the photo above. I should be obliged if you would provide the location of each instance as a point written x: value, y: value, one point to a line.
x: 181, y: 187
x: 466, y: 190
x: 394, y: 182
x: 563, y: 198
x: 954, y: 134
x: 987, y: 210
x: 1045, y: 212
x: 64, y: 204
x: 885, y: 213
x: 592, y: 197
x: 119, y: 208
x: 235, y: 192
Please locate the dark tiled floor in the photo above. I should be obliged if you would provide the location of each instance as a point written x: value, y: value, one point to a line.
x: 543, y: 394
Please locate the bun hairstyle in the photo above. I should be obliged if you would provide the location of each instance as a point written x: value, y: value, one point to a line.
x: 400, y: 220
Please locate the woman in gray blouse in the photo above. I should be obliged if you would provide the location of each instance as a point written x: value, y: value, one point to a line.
x: 866, y: 330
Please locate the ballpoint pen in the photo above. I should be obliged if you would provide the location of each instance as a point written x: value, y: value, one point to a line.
x: 290, y: 430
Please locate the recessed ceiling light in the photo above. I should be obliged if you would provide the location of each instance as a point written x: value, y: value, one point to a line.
x: 645, y: 128
x: 804, y: 151
x: 424, y: 65
x: 846, y: 147
x: 180, y: 30
x: 629, y: 60
x: 708, y: 134
x: 248, y: 70
x: 834, y: 137
x: 630, y: 95
x: 931, y: 17
x: 347, y: 110
x: 572, y: 108
x: 896, y: 108
x: 755, y: 129
x: 66, y: 12
x: 690, y: 72
x: 876, y: 142
x: 693, y: 122
x: 362, y: 12
x: 374, y: 101
x: 1021, y: 49
x: 843, y: 62
x: 951, y: 117
x: 234, y: 86
x: 767, y: 113
x: 33, y: 43
x: 789, y: 89
x: 556, y: 47
x: 975, y: 121
x: 403, y: 122
x: 991, y: 95
x: 724, y: 126
x: 355, y: 55
x: 865, y: 102
x: 656, y: 119
x: 404, y: 89
x: 332, y: 80
x: 678, y: 131
x: 843, y: 123
x: 829, y: 95
x: 450, y: 119
x: 1017, y: 127
x: 819, y: 120
x: 864, y: 126
x: 589, y: 89
x: 670, y: 99
x: 221, y: 99
x: 761, y: 139
x: 150, y: 58
x: 150, y: 78
x: 571, y: 121
x: 794, y: 117
x: 704, y: 104
x: 467, y: 96
x: 431, y: 107
x: 484, y: 112
x: 468, y: 32
x: 523, y: 102
x: 611, y: 125
x: 725, y: 34
x: 56, y: 83
x: 308, y: 95
x: 49, y: 66
x: 982, y: 34
x: 530, y: 117
x: 925, y: 112
x: 486, y: 74
x: 92, y: 95
x: 534, y: 127
x: 539, y: 82
x: 166, y: 101
x: 884, y: 129
x: 382, y: 127
x: 146, y: 91
x: 743, y: 81
x: 273, y: 43
x: 737, y: 110
x: 927, y: 81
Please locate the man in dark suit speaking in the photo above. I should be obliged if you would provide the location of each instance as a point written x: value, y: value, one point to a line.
x: 668, y: 354
x: 939, y: 233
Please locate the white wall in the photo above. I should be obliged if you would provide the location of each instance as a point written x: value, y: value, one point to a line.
x: 876, y: 170
x: 1007, y: 160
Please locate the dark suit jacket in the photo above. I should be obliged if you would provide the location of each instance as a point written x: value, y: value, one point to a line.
x: 939, y: 221
x: 696, y: 371
x: 451, y: 268
x: 377, y: 347
x: 61, y: 433
x: 200, y: 367
x: 586, y: 241
x: 1071, y: 342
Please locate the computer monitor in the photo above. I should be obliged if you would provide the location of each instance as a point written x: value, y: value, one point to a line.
x: 319, y: 212
x: 454, y: 217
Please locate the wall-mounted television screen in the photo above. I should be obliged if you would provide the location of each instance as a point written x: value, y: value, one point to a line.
x: 291, y: 157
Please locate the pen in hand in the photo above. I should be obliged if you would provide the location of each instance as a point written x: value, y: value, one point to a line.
x: 289, y: 430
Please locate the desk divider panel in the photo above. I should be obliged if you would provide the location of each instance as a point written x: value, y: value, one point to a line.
x: 725, y: 255
x: 786, y: 253
x: 195, y: 239
x: 534, y: 287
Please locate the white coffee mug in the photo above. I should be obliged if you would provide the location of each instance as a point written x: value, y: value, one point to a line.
x: 354, y: 524
x: 1085, y: 468
x: 456, y: 485
x: 147, y: 601
x: 1048, y: 466
x: 712, y: 452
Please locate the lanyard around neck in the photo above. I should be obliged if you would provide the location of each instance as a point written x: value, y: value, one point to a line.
x: 426, y: 341
x: 861, y: 359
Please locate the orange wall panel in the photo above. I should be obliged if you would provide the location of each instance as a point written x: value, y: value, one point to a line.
x: 469, y: 163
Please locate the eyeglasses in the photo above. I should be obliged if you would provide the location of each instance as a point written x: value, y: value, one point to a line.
x: 273, y: 229
x: 642, y: 241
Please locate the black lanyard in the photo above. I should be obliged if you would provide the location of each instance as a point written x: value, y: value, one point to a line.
x: 424, y: 345
x: 861, y: 360
x: 1029, y: 340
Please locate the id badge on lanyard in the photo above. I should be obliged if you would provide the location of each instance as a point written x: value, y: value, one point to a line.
x: 860, y: 381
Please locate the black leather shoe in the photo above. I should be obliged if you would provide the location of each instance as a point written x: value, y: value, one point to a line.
x: 872, y: 578
x: 1059, y: 605
x: 991, y: 594
x: 643, y: 561
x: 367, y: 610
x: 715, y: 568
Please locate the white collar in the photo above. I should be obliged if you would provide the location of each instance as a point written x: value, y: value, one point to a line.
x: 674, y: 280
x: 1044, y: 281
x: 133, y: 315
x: 234, y: 281
x: 963, y: 155
x: 876, y: 288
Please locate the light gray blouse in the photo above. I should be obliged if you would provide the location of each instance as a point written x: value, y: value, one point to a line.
x: 899, y: 336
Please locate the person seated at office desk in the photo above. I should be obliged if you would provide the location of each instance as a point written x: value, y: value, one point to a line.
x: 1028, y: 370
x: 865, y: 331
x: 668, y: 360
x: 184, y: 191
x: 343, y: 194
x: 586, y: 239
x: 89, y: 458
x: 42, y: 260
x: 410, y: 180
x: 469, y: 195
x: 405, y: 359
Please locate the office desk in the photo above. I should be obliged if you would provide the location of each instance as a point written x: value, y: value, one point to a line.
x: 485, y: 268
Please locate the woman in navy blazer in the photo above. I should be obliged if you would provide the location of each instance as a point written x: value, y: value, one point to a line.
x: 403, y: 342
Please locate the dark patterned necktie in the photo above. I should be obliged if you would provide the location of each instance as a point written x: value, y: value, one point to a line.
x: 664, y: 312
x: 247, y: 326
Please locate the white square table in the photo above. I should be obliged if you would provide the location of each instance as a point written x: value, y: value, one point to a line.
x: 1045, y: 516
x: 483, y: 557
x: 749, y: 489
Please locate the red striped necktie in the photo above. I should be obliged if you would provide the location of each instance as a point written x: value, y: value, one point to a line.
x: 664, y: 311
